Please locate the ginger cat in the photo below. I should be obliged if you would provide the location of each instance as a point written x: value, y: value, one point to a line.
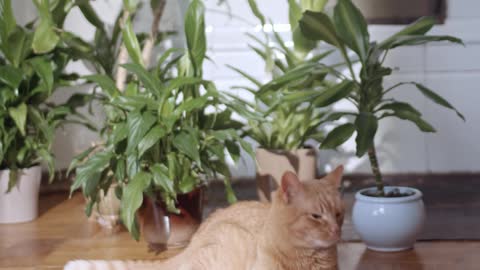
x: 298, y: 230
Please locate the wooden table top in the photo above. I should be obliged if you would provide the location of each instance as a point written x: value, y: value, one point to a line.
x: 63, y: 233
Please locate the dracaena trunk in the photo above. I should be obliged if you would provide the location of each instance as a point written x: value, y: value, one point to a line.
x: 372, y: 155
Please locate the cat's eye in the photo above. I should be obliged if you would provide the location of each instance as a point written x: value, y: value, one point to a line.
x: 316, y: 216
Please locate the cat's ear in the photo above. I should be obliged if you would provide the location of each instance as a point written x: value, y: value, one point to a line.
x: 335, y: 177
x: 291, y: 186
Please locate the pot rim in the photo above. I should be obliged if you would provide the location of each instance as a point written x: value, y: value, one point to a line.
x: 284, y: 151
x: 23, y: 169
x: 417, y: 195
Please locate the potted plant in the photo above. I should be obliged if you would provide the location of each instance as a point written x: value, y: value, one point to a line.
x: 106, y: 54
x: 169, y: 134
x: 388, y: 218
x: 32, y: 62
x: 285, y: 127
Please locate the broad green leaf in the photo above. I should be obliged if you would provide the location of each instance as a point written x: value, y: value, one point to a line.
x: 120, y: 169
x: 12, y: 179
x: 105, y: 83
x: 45, y: 38
x: 247, y: 147
x: 318, y: 26
x: 187, y: 143
x: 138, y: 125
x: 151, y: 83
x: 188, y: 182
x: 151, y: 138
x: 91, y: 16
x: 44, y: 70
x: 416, y: 119
x: 256, y: 11
x: 301, y: 96
x: 160, y: 177
x: 7, y: 20
x: 437, y: 99
x: 104, y: 53
x: 301, y: 44
x: 47, y: 157
x: 79, y: 159
x: 18, y: 46
x: 195, y: 33
x: 400, y: 106
x: 191, y: 104
x: 294, y: 13
x: 233, y: 149
x: 351, y: 26
x: 179, y: 82
x: 133, y: 166
x: 132, y: 199
x: 419, y: 40
x: 96, y: 164
x: 19, y: 116
x: 338, y: 136
x: 11, y: 76
x: 131, y: 43
x: 334, y: 94
x: 299, y: 72
x: 119, y: 132
x: 419, y: 27
x: 366, y: 125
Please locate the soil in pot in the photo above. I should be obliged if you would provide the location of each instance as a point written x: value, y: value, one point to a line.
x: 162, y: 229
x: 394, y: 193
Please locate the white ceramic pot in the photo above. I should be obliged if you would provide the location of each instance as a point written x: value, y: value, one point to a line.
x: 21, y: 203
x: 389, y: 224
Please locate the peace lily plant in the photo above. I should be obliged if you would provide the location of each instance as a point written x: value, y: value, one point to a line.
x: 169, y: 130
x: 32, y: 63
x: 398, y: 211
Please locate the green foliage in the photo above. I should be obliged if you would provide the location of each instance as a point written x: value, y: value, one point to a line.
x: 32, y: 63
x: 289, y: 116
x: 348, y: 30
x: 160, y: 139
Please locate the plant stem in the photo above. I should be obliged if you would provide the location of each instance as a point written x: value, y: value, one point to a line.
x: 372, y: 155
x: 121, y: 75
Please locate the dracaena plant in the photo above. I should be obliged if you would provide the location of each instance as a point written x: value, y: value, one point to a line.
x: 169, y: 131
x: 32, y: 62
x: 347, y: 31
x: 285, y: 125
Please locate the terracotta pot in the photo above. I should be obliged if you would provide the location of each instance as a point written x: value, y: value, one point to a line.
x: 21, y: 203
x: 162, y: 229
x: 272, y: 164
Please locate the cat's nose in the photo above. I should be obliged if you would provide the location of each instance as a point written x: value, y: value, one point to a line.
x: 336, y: 230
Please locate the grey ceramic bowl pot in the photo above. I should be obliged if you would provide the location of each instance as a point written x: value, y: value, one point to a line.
x: 389, y: 224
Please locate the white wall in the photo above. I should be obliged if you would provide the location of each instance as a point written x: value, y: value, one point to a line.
x: 452, y: 70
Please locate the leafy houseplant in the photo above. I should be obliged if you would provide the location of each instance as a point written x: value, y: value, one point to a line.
x: 32, y: 62
x: 286, y: 126
x: 162, y: 141
x: 348, y: 32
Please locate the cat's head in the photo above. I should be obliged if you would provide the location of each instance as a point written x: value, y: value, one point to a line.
x: 312, y: 211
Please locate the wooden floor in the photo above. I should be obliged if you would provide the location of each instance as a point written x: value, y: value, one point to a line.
x: 63, y: 233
